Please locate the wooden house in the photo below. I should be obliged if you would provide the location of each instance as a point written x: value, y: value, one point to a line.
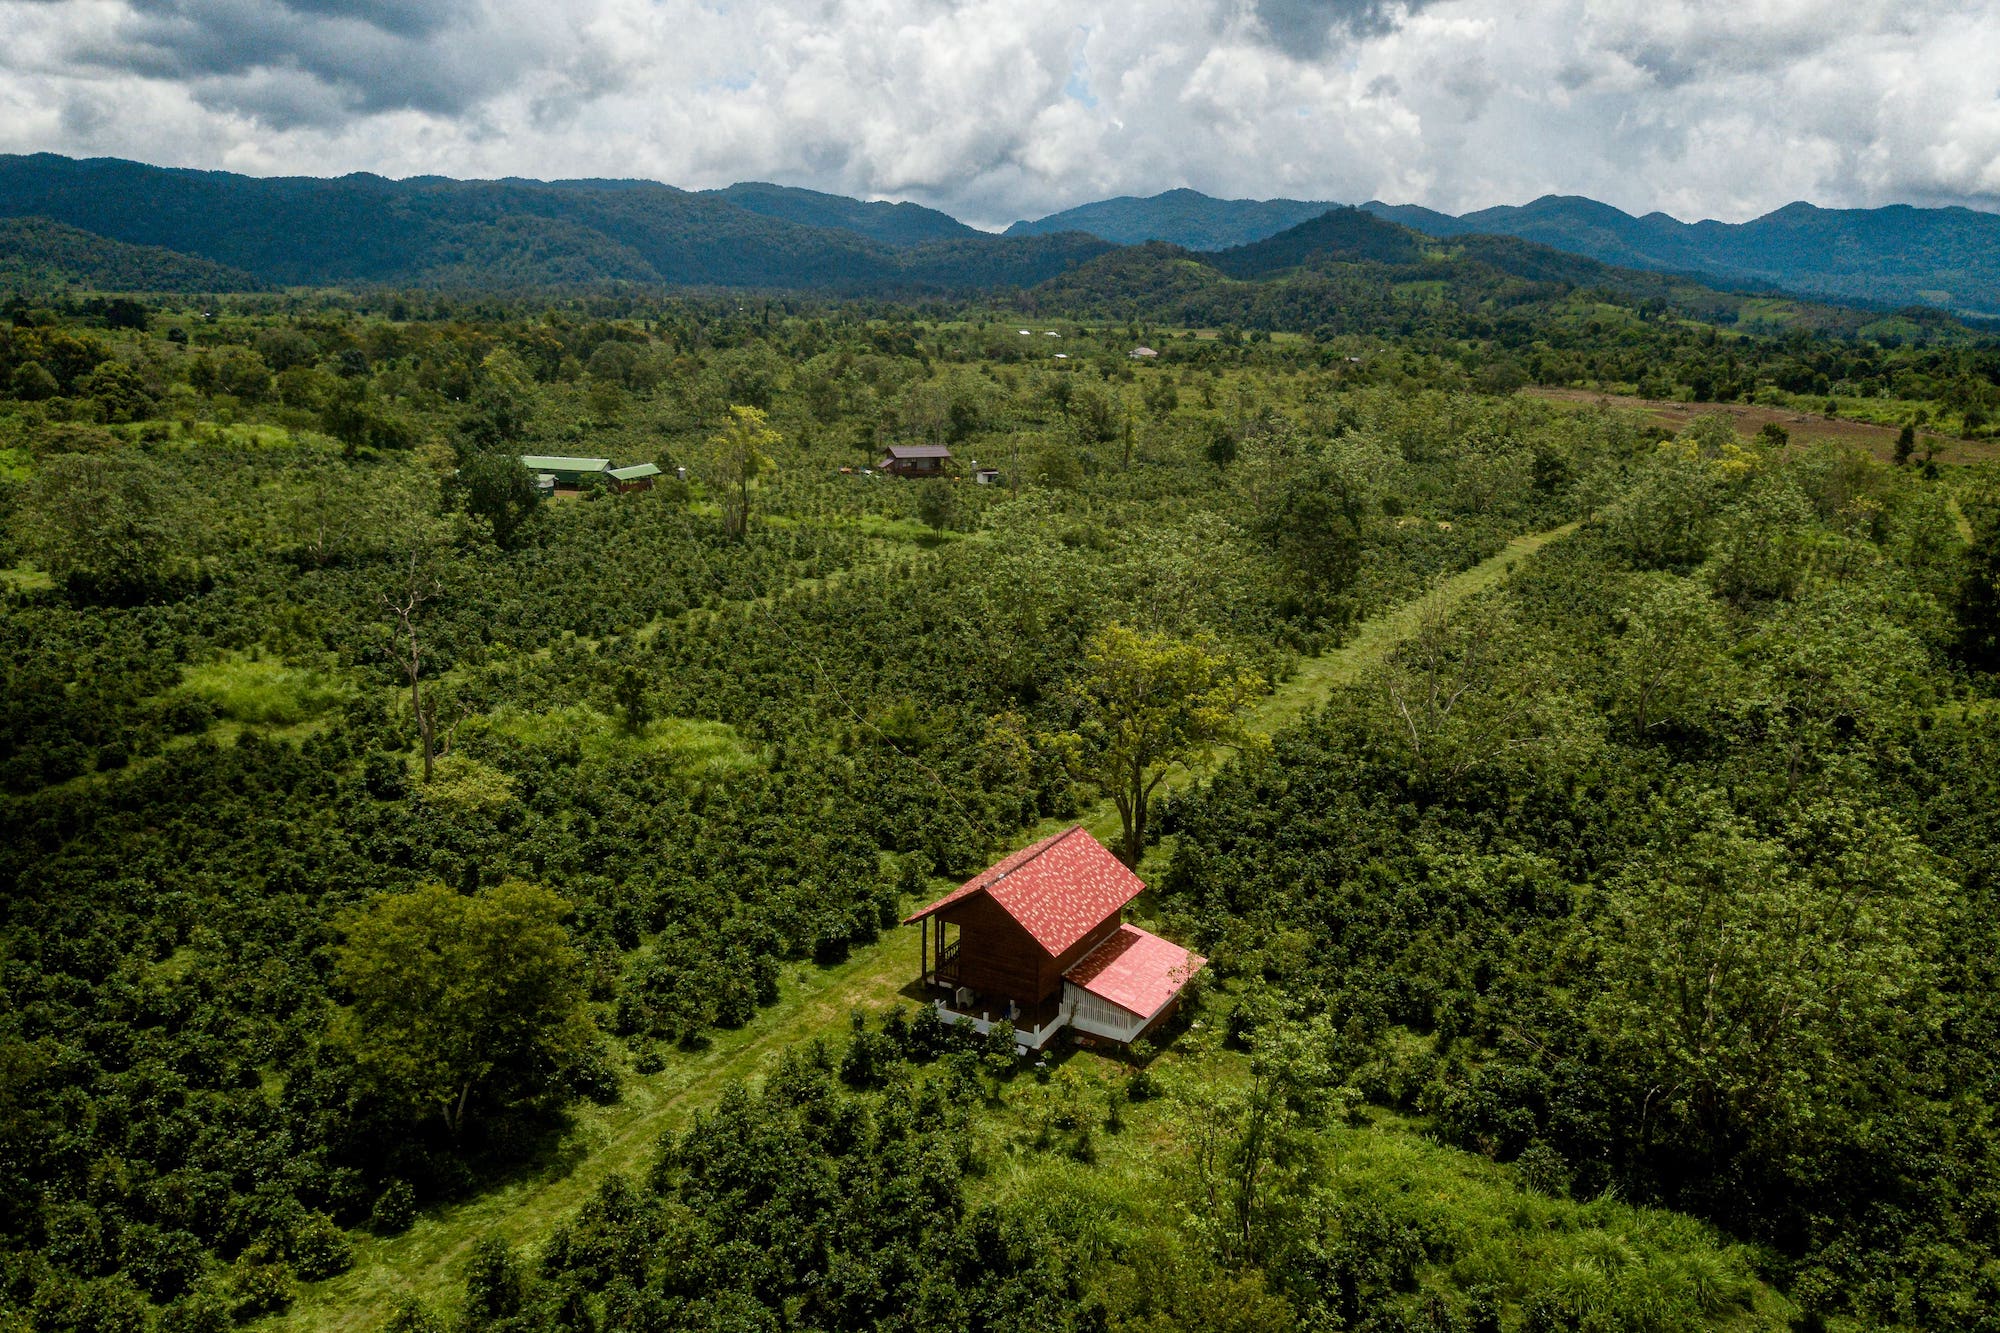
x: 1039, y: 940
x: 915, y: 460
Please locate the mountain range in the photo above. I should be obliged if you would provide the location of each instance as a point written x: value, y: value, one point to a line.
x: 1892, y: 256
x: 366, y: 229
x: 127, y: 225
x: 1187, y: 218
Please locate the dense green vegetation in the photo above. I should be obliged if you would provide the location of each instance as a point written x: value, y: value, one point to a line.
x: 365, y: 815
x: 1677, y: 854
x: 36, y: 253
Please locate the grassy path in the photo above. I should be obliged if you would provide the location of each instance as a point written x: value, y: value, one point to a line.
x: 428, y: 1260
x: 1959, y: 519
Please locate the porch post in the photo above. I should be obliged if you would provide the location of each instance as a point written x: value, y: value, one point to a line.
x: 924, y: 954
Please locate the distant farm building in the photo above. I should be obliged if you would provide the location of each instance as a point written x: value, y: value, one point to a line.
x: 915, y: 460
x: 987, y: 476
x: 638, y: 477
x: 1141, y: 353
x: 1038, y: 940
x: 565, y: 474
x: 569, y: 475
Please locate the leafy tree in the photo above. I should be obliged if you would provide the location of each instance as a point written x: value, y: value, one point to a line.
x: 743, y: 453
x: 107, y: 524
x: 1826, y: 670
x: 1147, y: 702
x: 454, y: 994
x: 122, y: 312
x: 1748, y: 984
x: 614, y: 362
x: 1313, y: 518
x: 605, y: 400
x: 1667, y: 519
x: 634, y: 692
x: 1222, y: 448
x: 495, y: 487
x: 286, y: 349
x: 501, y: 405
x: 1250, y: 1148
x: 32, y: 383
x: 334, y: 515
x: 1762, y: 542
x: 1906, y: 444
x: 1669, y: 657
x: 357, y: 420
x: 1053, y: 463
x: 241, y: 372
x: 937, y: 505
x: 493, y: 1285
x: 119, y: 390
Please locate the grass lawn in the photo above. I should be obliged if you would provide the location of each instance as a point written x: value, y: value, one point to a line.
x: 25, y: 578
x: 428, y: 1260
x: 265, y: 691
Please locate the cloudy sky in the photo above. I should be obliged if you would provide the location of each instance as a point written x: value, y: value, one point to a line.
x: 997, y: 109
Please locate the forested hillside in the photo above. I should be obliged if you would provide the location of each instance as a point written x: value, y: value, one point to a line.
x: 893, y: 224
x: 487, y: 235
x: 1897, y: 255
x: 388, y: 851
x: 39, y: 254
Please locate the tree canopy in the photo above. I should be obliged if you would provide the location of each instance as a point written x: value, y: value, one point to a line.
x: 453, y: 995
x: 1146, y: 702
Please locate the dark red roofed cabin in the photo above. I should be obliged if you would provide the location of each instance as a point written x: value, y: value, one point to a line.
x: 915, y: 460
x: 1039, y: 940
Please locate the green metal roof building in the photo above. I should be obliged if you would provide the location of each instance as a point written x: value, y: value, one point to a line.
x: 566, y: 471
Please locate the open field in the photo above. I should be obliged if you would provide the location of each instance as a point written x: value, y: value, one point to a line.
x: 427, y: 1260
x: 1749, y: 418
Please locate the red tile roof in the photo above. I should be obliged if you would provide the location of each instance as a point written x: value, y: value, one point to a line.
x: 1136, y: 970
x: 1059, y: 889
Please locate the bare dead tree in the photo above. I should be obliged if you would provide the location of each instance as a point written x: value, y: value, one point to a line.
x: 405, y: 649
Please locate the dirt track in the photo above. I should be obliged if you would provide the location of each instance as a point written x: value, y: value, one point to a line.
x: 1801, y: 426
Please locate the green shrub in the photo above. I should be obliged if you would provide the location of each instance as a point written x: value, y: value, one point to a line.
x: 320, y: 1249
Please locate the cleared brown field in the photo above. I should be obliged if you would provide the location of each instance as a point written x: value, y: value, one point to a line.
x: 1803, y: 427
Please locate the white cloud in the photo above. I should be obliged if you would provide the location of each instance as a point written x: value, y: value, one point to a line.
x: 997, y: 109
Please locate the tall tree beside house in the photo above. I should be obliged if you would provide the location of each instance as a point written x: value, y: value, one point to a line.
x: 1147, y: 702
x: 743, y: 453
x: 463, y: 1000
x: 495, y: 487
